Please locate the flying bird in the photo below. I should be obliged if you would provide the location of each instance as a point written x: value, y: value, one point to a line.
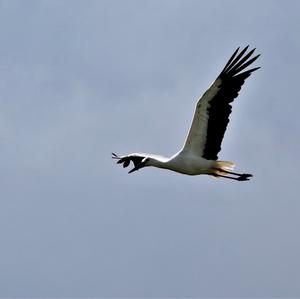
x: 199, y: 155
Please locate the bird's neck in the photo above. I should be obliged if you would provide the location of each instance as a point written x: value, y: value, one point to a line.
x: 159, y: 163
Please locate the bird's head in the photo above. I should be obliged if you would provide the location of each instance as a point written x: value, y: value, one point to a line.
x: 145, y: 162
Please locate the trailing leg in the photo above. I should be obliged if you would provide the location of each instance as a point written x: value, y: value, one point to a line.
x: 235, y: 173
x: 240, y: 178
x: 221, y: 172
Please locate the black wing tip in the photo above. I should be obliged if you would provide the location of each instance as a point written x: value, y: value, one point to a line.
x: 247, y: 73
x: 239, y: 61
x: 254, y: 69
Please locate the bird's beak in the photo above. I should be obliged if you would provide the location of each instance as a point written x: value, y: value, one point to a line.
x: 139, y: 166
x: 133, y: 169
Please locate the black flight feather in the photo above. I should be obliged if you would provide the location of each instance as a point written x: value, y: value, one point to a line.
x: 219, y: 107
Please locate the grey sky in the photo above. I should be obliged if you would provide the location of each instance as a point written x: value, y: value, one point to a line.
x: 80, y: 79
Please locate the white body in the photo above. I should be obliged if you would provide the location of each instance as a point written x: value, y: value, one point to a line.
x: 183, y: 163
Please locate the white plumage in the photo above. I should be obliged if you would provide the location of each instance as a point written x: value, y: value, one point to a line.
x: 199, y: 154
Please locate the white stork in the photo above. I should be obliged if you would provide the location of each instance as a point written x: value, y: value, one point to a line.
x: 200, y: 152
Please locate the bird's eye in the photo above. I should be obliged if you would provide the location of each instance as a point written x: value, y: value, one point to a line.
x: 145, y: 160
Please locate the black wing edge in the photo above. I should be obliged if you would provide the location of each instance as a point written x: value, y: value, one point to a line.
x: 238, y: 63
x: 232, y: 78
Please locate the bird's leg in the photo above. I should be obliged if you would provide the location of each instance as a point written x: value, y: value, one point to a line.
x: 240, y: 178
x: 246, y: 175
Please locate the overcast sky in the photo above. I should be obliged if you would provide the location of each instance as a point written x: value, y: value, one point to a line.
x: 80, y: 79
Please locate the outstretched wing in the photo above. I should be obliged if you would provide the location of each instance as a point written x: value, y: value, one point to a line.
x: 214, y: 107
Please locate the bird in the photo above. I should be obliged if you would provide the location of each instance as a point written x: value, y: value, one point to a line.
x: 199, y: 154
